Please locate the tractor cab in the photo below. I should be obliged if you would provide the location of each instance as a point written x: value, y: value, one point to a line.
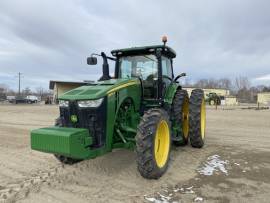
x: 151, y: 64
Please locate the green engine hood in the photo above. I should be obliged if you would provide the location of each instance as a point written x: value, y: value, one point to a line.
x: 98, y: 90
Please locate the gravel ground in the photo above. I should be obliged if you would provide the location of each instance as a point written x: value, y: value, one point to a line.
x: 233, y: 166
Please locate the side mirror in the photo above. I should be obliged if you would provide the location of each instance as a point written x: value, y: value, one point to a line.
x: 179, y: 76
x: 92, y: 60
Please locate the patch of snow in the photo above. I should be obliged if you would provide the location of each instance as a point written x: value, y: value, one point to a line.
x: 213, y: 163
x: 150, y: 199
x: 163, y: 199
x: 237, y: 164
x: 176, y: 189
x: 198, y: 199
x: 189, y: 190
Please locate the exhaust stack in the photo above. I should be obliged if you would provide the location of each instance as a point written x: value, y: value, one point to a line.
x: 105, y: 68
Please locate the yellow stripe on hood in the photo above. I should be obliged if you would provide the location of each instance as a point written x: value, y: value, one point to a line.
x: 122, y: 86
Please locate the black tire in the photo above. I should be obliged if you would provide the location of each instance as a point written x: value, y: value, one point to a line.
x: 197, y: 118
x: 66, y: 160
x: 58, y: 122
x: 212, y: 102
x: 179, y: 113
x: 61, y: 158
x: 145, y: 143
x: 218, y: 101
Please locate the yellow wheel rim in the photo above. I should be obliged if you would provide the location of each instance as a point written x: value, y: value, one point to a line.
x: 162, y: 143
x: 185, y: 118
x: 203, y: 117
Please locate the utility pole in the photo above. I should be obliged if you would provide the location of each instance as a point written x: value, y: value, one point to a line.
x: 20, y: 83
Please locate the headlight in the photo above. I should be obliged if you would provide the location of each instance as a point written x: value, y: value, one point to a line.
x: 63, y: 103
x: 90, y: 103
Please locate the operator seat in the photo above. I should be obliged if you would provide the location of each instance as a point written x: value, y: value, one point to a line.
x: 150, y: 86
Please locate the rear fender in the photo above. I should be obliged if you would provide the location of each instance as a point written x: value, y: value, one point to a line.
x: 170, y: 92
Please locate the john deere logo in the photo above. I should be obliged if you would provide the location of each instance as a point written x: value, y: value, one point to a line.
x: 73, y: 118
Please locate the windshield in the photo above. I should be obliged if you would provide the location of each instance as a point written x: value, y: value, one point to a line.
x: 143, y: 66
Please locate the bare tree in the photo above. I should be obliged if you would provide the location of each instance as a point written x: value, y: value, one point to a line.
x: 242, y: 83
x: 242, y: 86
x: 266, y: 89
x: 214, y: 83
x: 26, y: 91
x: 202, y: 83
x: 187, y: 82
x: 225, y: 83
x: 3, y: 91
x: 40, y: 91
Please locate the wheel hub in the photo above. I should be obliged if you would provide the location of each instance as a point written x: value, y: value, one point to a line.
x: 162, y: 143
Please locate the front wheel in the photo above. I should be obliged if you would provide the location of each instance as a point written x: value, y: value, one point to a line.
x: 212, y: 102
x: 153, y: 143
x: 66, y: 160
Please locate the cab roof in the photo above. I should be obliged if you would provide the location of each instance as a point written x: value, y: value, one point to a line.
x: 144, y: 50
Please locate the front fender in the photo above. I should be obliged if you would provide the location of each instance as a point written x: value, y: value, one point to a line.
x: 115, y: 99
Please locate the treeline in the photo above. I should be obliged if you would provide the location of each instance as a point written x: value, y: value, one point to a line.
x: 39, y: 91
x: 240, y: 87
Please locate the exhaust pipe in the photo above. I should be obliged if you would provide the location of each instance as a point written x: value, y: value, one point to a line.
x: 105, y: 68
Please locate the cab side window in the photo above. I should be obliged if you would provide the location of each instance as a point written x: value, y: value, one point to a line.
x: 166, y: 68
x: 125, y: 71
x: 167, y: 74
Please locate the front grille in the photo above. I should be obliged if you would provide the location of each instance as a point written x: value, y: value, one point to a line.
x: 93, y: 119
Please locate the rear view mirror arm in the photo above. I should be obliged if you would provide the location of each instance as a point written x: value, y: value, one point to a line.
x: 108, y: 57
x: 179, y: 76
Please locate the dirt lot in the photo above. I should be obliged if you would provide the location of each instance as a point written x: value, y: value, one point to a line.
x: 234, y: 165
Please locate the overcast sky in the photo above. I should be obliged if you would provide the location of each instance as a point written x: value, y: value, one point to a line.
x: 50, y: 40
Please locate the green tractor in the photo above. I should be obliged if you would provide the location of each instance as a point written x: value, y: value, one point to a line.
x: 142, y: 108
x: 213, y: 99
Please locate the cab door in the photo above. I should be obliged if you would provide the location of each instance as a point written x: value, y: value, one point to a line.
x: 167, y: 74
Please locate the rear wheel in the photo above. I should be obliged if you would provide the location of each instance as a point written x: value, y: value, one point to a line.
x: 61, y: 158
x: 212, y: 102
x: 197, y: 118
x: 180, y: 113
x: 153, y: 143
